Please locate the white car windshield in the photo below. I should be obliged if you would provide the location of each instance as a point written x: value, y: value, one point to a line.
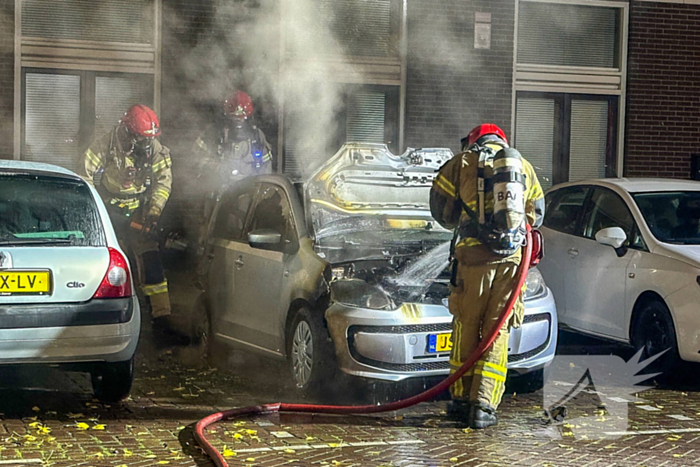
x: 672, y: 217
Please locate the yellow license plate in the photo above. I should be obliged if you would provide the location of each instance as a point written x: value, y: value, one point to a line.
x: 439, y: 342
x: 25, y: 282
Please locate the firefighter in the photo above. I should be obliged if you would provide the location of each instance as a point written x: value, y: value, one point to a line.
x: 230, y: 150
x: 486, y: 193
x: 132, y: 172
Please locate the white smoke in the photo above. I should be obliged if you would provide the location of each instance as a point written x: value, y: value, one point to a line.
x: 276, y: 52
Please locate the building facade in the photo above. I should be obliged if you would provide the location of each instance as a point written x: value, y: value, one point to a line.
x: 584, y: 88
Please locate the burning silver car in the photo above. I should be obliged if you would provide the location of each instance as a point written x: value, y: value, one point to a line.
x: 349, y: 272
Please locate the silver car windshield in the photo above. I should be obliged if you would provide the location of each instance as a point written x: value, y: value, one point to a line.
x: 47, y: 211
x: 672, y: 217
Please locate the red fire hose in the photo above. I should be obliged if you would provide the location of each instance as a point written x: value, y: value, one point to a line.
x: 218, y: 458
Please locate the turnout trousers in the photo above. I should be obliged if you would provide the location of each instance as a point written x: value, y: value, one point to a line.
x: 476, y: 303
x: 144, y: 255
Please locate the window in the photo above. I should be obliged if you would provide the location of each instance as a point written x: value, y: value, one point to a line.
x: 607, y: 209
x: 672, y: 217
x: 567, y: 137
x: 232, y: 214
x: 569, y: 81
x: 564, y: 209
x: 274, y: 212
x: 83, y: 63
x: 585, y: 36
x: 56, y: 210
x: 64, y: 111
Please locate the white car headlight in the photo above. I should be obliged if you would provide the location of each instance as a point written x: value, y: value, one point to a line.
x: 536, y: 287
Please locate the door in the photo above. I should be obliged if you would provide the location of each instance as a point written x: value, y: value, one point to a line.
x: 226, y: 239
x: 262, y: 273
x: 561, y: 224
x: 596, y: 283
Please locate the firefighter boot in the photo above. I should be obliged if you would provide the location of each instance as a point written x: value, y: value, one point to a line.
x: 482, y: 417
x: 458, y: 410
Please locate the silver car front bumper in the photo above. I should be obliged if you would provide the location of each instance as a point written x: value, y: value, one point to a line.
x: 394, y: 345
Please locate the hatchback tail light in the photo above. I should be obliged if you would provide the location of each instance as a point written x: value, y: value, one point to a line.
x: 116, y: 283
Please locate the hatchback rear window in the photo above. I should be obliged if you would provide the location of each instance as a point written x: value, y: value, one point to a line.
x: 48, y: 211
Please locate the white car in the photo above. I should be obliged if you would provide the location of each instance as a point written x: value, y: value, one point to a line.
x: 622, y: 257
x: 66, y: 292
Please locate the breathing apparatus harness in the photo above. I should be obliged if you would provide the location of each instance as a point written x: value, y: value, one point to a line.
x: 504, y: 230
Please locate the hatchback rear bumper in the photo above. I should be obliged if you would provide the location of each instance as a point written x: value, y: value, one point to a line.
x: 90, y: 332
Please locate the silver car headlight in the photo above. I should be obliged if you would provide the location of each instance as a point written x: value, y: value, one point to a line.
x: 359, y: 294
x: 536, y: 287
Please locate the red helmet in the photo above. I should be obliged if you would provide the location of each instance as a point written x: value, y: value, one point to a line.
x: 483, y: 130
x: 142, y: 121
x: 240, y: 105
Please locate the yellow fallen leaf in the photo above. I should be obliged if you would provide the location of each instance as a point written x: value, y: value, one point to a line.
x: 99, y: 426
x: 290, y: 451
x: 250, y: 459
x: 467, y: 430
x: 163, y: 462
x: 122, y: 465
x: 310, y: 438
x: 251, y: 432
x: 453, y: 459
x: 34, y: 424
x: 337, y: 463
x: 44, y: 430
x: 128, y: 453
x: 228, y: 452
x: 36, y: 409
x: 237, y: 436
x: 82, y: 426
x: 29, y: 438
x: 674, y: 438
x: 180, y: 388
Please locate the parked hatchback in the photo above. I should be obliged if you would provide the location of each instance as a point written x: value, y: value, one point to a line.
x: 623, y: 260
x: 349, y: 272
x: 66, y: 293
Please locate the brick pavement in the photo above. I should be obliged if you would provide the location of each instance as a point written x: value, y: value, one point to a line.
x: 49, y: 417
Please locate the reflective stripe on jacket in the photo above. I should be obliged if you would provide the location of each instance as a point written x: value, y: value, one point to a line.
x: 122, y: 182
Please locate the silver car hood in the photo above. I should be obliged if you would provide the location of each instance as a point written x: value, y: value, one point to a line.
x: 366, y: 183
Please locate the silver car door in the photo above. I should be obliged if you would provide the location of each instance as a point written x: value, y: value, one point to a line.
x: 262, y: 271
x: 226, y: 238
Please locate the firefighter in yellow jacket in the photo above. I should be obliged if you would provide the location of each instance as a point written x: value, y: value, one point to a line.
x: 486, y: 193
x: 132, y: 172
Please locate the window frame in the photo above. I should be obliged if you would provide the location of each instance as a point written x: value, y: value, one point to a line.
x: 88, y: 88
x: 580, y: 80
x: 251, y: 189
x: 292, y: 235
x: 588, y: 213
x: 556, y: 197
x: 561, y: 152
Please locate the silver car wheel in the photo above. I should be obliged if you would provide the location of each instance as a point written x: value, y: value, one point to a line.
x: 302, y: 353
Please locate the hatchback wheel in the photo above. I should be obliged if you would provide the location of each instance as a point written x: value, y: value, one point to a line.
x: 311, y: 357
x: 654, y: 333
x: 111, y: 382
